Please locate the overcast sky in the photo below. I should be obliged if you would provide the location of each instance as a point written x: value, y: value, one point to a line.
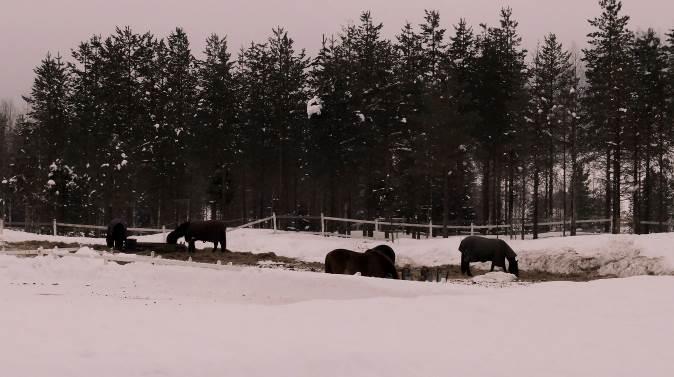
x: 31, y: 28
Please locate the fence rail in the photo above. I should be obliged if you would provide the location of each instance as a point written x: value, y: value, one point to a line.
x: 390, y: 227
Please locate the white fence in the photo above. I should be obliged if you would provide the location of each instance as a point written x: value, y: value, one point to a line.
x: 56, y: 225
x: 392, y: 228
x: 471, y: 229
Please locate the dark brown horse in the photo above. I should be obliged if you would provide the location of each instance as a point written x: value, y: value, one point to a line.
x: 370, y: 263
x: 212, y: 230
x: 116, y: 234
x: 481, y: 249
x: 386, y: 250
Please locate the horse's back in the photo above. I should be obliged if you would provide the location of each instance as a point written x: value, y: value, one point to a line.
x: 480, y: 249
x: 207, y: 230
x: 343, y: 261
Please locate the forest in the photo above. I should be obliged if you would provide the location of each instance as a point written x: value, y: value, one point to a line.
x: 453, y: 124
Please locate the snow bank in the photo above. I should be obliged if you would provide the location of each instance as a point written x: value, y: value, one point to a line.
x: 79, y: 317
x: 495, y: 277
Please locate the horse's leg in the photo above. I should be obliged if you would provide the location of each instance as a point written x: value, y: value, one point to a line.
x: 215, y: 246
x: 191, y: 248
x: 492, y: 266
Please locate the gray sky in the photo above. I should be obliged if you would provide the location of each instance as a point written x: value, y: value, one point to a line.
x: 30, y: 28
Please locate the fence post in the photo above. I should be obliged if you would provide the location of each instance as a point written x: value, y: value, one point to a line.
x: 2, y: 226
x: 322, y: 225
x: 273, y: 218
x: 54, y: 226
x: 472, y: 231
x: 163, y: 231
x: 430, y: 228
x: 376, y: 226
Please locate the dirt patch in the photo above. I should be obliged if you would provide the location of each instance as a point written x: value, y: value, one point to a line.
x: 271, y: 260
x: 34, y: 245
x: 453, y: 272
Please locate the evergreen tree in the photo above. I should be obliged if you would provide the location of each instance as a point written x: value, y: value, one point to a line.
x: 176, y: 136
x: 607, y: 61
x: 647, y: 138
x: 500, y: 94
x: 46, y: 131
x: 407, y: 158
x: 552, y: 94
x: 216, y: 131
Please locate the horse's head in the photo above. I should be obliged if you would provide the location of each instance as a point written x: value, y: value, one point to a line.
x: 180, y: 231
x: 172, y: 238
x: 513, y: 268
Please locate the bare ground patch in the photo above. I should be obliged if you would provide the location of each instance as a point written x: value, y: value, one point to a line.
x: 451, y: 273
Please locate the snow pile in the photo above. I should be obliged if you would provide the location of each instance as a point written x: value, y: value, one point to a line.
x: 618, y: 256
x: 495, y: 277
x: 85, y: 251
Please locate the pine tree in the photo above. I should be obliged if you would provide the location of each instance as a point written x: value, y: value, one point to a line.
x: 607, y: 61
x: 501, y: 98
x: 552, y: 93
x: 48, y: 125
x: 646, y: 135
x: 216, y: 131
x: 287, y: 79
x: 407, y: 158
x: 180, y: 113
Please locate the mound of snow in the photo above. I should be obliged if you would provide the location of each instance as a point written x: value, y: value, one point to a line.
x: 619, y: 256
x: 495, y: 277
x: 85, y: 251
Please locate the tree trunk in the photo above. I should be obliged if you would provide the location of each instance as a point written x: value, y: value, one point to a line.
x: 616, y: 186
x: 445, y: 205
x: 486, y: 178
x: 534, y: 228
x: 575, y: 174
x: 607, y: 203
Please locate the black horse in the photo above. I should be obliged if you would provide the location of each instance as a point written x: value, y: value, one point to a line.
x: 481, y: 249
x: 212, y: 230
x: 372, y: 263
x: 116, y: 234
x: 386, y: 250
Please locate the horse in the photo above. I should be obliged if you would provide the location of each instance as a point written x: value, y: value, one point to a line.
x: 211, y: 230
x: 481, y: 249
x: 386, y: 250
x: 116, y: 234
x: 372, y: 263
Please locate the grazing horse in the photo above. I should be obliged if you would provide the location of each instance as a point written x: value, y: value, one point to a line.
x: 372, y: 263
x: 116, y: 234
x: 481, y: 249
x: 213, y: 231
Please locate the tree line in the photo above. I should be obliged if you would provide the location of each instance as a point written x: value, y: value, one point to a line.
x: 451, y: 127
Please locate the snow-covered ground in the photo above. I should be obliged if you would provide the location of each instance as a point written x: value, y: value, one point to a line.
x: 619, y: 255
x: 80, y: 317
